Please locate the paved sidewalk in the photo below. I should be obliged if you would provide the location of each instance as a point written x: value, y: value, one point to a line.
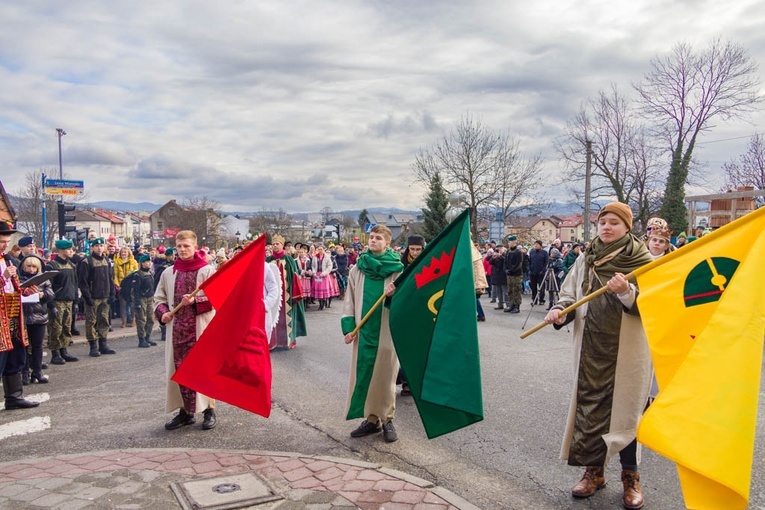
x: 159, y: 479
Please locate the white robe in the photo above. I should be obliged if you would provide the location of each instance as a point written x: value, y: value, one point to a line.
x: 165, y: 293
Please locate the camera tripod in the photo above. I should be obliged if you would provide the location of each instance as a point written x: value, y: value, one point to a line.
x: 548, y: 284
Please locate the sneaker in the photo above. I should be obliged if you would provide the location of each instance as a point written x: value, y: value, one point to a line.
x: 366, y: 428
x: 181, y: 419
x: 209, y: 421
x: 389, y: 432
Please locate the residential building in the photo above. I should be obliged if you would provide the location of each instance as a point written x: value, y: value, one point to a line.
x: 171, y: 218
x: 531, y: 228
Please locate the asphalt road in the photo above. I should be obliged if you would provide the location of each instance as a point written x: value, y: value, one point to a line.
x: 510, y: 460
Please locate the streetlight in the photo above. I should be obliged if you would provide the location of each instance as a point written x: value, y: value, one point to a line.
x: 61, y: 133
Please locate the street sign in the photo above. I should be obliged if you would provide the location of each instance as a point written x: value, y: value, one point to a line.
x: 63, y: 187
x: 368, y: 227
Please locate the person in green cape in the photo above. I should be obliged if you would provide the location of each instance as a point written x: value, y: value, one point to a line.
x: 374, y: 364
x: 290, y: 323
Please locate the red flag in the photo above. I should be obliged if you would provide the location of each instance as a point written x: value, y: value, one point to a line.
x: 231, y: 361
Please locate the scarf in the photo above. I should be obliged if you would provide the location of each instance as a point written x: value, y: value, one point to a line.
x: 379, y: 267
x: 278, y: 254
x: 198, y: 261
x: 622, y: 256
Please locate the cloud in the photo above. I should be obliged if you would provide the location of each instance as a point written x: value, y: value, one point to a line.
x: 297, y: 105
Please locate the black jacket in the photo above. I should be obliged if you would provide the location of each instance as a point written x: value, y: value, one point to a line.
x: 514, y: 262
x: 538, y: 261
x: 96, y: 278
x: 37, y: 313
x: 65, y: 282
x: 498, y: 276
x: 143, y: 285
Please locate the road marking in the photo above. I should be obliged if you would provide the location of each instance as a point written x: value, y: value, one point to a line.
x: 22, y: 427
x: 35, y: 397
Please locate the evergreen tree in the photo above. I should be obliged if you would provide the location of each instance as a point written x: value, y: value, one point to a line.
x: 436, y: 205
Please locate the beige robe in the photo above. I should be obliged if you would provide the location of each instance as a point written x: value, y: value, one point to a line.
x: 633, y: 371
x: 381, y: 395
x: 165, y: 293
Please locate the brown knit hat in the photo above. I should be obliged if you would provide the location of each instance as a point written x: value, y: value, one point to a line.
x: 623, y: 211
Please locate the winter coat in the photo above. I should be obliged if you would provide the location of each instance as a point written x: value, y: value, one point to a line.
x: 498, y: 270
x: 123, y: 267
x: 513, y: 262
x: 37, y: 313
x: 96, y: 277
x: 143, y: 285
x: 65, y: 282
x: 538, y: 261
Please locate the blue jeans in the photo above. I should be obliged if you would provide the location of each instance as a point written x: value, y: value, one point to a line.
x: 479, y: 308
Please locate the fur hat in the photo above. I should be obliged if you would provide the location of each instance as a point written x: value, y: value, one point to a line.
x: 621, y: 210
x: 416, y: 240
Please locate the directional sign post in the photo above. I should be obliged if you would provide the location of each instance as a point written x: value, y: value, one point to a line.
x: 64, y: 187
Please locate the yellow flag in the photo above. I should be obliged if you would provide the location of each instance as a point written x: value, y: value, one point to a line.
x: 703, y: 309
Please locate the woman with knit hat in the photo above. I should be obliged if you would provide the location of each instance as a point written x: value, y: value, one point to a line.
x: 611, y: 356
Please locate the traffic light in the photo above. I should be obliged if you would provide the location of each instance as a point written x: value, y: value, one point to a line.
x: 82, y: 237
x: 63, y: 218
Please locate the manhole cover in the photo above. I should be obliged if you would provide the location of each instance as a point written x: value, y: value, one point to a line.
x: 224, y: 492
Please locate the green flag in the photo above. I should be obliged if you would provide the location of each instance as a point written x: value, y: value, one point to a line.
x: 434, y: 328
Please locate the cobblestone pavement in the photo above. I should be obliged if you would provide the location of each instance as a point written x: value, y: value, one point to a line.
x: 144, y: 478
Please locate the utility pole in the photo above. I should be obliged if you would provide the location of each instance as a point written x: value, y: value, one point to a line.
x: 44, y: 216
x: 587, y: 176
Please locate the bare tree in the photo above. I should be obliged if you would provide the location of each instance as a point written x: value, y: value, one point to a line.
x: 623, y: 159
x: 749, y: 170
x: 273, y: 222
x: 477, y: 163
x: 203, y: 220
x: 30, y: 205
x: 683, y: 94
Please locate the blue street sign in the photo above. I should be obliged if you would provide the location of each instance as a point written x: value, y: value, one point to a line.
x: 368, y: 227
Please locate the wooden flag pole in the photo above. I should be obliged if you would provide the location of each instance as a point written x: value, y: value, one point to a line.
x: 369, y: 314
x: 180, y: 305
x: 574, y: 306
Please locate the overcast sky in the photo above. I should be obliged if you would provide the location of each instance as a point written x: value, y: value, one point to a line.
x: 307, y: 104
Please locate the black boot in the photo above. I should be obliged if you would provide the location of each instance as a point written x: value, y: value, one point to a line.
x: 142, y: 342
x: 93, y: 349
x: 104, y: 348
x: 14, y: 391
x: 25, y: 377
x: 163, y: 329
x: 68, y: 357
x: 149, y: 341
x: 55, y: 357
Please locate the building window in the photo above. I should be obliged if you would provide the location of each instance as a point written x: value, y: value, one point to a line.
x: 160, y: 225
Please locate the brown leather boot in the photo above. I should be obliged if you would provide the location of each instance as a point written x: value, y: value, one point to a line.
x: 633, y: 495
x: 592, y: 480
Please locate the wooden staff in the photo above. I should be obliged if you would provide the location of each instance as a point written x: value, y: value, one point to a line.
x: 576, y: 305
x: 369, y: 314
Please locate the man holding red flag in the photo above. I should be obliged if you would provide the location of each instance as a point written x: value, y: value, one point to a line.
x: 185, y: 326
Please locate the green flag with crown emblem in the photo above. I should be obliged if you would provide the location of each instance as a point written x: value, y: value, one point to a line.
x: 434, y: 328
